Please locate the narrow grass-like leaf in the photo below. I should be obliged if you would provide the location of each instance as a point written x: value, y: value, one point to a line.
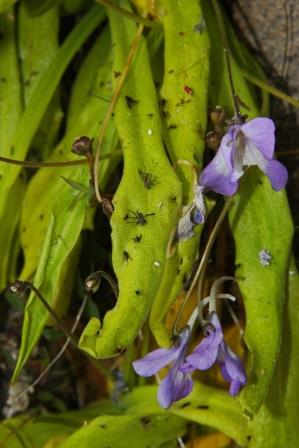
x: 54, y: 208
x: 84, y: 86
x: 47, y: 182
x: 42, y: 94
x: 67, y: 218
x: 38, y: 45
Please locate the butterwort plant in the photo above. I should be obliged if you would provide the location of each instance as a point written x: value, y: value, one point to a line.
x: 244, y: 144
x: 177, y: 384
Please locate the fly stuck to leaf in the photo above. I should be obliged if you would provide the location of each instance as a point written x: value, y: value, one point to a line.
x: 148, y: 179
x: 137, y: 217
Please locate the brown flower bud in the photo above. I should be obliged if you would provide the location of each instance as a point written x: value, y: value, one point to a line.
x: 213, y: 140
x: 82, y: 146
x: 217, y: 115
x: 18, y: 287
x: 93, y: 281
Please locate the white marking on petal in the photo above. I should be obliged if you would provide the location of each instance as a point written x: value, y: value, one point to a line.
x: 253, y: 156
x: 198, y: 198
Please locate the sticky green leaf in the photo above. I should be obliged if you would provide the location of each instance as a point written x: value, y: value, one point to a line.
x: 205, y: 406
x: 184, y: 102
x: 262, y: 286
x: 277, y: 421
x: 262, y: 215
x: 126, y: 431
x: 21, y: 431
x: 144, y: 215
x: 10, y: 111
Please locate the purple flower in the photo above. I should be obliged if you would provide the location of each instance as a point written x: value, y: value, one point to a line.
x: 176, y: 384
x: 250, y: 143
x: 192, y: 215
x: 213, y: 349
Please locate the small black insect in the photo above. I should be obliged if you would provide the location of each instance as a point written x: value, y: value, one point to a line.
x: 137, y: 217
x: 182, y: 102
x: 126, y: 256
x: 131, y: 102
x: 138, y: 292
x: 137, y: 238
x: 145, y: 421
x: 172, y: 126
x: 185, y: 405
x: 148, y: 179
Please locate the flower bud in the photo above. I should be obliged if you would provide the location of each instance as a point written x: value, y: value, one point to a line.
x: 82, y: 146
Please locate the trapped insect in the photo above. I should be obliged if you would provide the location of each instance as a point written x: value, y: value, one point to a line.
x: 137, y: 217
x: 148, y: 179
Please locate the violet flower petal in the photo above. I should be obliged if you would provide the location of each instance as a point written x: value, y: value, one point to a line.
x: 274, y: 170
x: 217, y: 175
x: 235, y: 385
x: 199, y: 213
x: 155, y: 361
x: 175, y: 386
x: 261, y: 132
x: 277, y: 174
x: 161, y: 357
x: 185, y: 227
x: 206, y: 353
x: 232, y: 369
x: 198, y: 216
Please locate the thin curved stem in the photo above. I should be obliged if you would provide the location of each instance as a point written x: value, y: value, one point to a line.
x: 61, y: 351
x: 19, y: 287
x: 205, y: 257
x: 110, y: 109
x: 33, y: 164
x: 59, y: 322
